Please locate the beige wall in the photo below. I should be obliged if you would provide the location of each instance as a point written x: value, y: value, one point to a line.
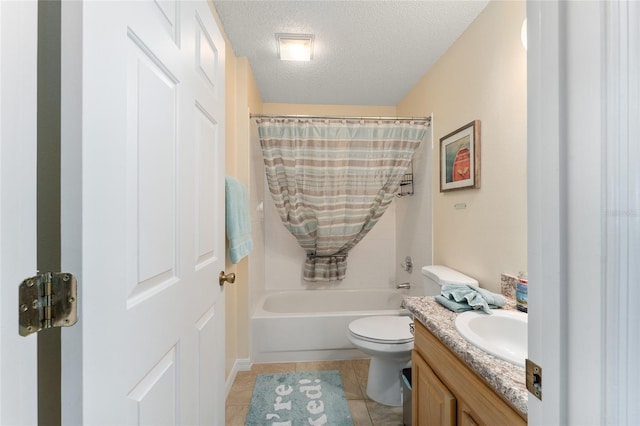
x: 482, y: 76
x: 348, y: 110
x: 241, y: 94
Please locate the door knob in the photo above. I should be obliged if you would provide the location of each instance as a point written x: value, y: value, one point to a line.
x: 230, y: 278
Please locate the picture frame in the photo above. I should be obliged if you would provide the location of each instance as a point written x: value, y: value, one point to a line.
x: 460, y: 158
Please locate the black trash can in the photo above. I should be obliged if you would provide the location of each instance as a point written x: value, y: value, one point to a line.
x: 406, y: 396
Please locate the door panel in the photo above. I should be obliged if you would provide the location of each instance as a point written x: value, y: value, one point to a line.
x: 207, y: 182
x: 155, y: 395
x: 168, y: 9
x: 206, y: 354
x: 151, y: 171
x: 153, y: 214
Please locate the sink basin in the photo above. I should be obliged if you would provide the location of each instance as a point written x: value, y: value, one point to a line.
x: 502, y: 334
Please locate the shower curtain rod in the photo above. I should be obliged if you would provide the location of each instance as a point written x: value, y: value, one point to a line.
x: 338, y: 117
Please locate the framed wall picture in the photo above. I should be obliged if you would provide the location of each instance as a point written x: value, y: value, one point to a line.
x: 460, y: 158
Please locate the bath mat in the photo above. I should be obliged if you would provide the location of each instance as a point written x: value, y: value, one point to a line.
x: 297, y: 399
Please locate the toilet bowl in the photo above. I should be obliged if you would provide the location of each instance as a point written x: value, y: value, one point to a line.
x: 388, y: 341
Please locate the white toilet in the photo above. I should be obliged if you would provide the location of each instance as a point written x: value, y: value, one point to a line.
x: 388, y: 340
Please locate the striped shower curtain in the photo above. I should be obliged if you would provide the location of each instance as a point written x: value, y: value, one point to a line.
x: 331, y: 180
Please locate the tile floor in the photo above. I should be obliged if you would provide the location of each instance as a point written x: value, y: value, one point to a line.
x: 364, y: 411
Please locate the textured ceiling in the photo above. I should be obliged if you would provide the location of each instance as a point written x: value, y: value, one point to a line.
x: 365, y: 52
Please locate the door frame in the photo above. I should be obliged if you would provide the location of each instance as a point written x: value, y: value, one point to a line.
x: 578, y: 252
x: 71, y: 197
x: 18, y: 205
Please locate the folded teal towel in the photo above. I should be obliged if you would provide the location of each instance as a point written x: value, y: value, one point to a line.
x: 238, y: 219
x: 454, y: 306
x: 473, y: 297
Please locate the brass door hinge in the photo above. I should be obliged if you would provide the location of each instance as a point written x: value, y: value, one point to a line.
x: 47, y: 300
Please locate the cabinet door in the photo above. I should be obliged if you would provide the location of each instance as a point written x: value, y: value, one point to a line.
x: 432, y: 403
x: 465, y: 418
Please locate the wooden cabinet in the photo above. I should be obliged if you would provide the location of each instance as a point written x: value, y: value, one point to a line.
x: 432, y: 402
x: 447, y: 393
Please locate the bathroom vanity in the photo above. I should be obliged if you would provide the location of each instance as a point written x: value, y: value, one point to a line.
x: 455, y: 383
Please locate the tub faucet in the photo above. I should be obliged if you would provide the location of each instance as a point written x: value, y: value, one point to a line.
x: 403, y: 285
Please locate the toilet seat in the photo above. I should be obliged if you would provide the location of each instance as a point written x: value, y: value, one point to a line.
x: 388, y: 341
x: 382, y: 329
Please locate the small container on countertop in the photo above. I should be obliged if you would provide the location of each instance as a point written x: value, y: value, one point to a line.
x: 522, y: 292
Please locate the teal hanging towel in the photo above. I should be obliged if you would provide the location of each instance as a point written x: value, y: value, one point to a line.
x: 238, y: 219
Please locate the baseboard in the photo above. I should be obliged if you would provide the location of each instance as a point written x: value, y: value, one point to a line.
x: 311, y: 355
x: 240, y: 365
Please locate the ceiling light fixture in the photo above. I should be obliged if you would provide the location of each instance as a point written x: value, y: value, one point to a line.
x: 295, y: 47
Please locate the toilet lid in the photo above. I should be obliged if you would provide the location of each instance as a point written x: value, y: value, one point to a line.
x: 383, y: 329
x: 443, y: 275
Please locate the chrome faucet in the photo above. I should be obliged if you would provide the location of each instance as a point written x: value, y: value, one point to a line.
x: 403, y: 285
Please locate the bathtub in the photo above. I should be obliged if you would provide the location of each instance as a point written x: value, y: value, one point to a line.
x: 311, y: 325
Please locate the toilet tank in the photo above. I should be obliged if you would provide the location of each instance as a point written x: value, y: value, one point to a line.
x: 435, y: 276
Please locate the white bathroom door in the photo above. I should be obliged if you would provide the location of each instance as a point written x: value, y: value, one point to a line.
x: 18, y: 103
x: 150, y: 341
